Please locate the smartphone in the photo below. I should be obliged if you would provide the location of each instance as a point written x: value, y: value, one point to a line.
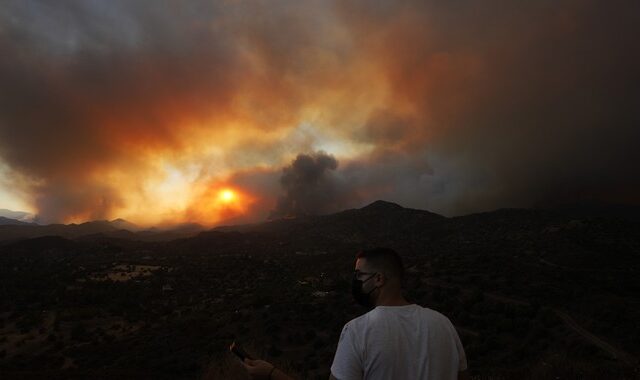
x: 236, y: 349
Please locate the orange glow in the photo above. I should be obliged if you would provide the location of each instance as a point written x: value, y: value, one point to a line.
x: 219, y: 203
x: 225, y: 201
x: 226, y: 196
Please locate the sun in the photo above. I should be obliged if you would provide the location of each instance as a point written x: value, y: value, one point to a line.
x: 227, y: 195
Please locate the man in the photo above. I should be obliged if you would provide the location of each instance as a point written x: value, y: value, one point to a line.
x: 395, y: 340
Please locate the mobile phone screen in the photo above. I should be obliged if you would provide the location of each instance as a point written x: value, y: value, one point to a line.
x: 240, y: 353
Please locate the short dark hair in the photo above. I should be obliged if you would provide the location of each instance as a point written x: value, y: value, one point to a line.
x: 385, y: 260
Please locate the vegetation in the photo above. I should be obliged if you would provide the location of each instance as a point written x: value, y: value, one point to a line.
x: 533, y: 295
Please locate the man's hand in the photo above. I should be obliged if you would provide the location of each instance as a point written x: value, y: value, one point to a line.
x: 258, y: 369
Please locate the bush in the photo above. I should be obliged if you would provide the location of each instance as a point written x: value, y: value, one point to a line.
x: 78, y: 332
x: 319, y: 343
x: 309, y: 335
x: 274, y: 351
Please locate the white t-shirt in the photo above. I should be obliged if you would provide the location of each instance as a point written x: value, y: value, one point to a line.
x: 399, y: 342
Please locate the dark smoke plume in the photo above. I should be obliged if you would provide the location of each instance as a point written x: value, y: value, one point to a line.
x: 308, y: 186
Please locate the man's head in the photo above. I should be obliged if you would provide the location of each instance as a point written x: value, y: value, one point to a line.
x: 378, y: 272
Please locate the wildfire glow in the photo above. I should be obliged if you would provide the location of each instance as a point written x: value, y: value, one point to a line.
x: 227, y: 196
x: 219, y: 203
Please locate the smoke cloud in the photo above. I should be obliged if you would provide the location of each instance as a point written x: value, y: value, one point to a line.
x: 137, y: 109
x: 308, y: 186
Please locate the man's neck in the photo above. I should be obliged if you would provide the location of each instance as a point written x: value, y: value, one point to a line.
x: 392, y: 301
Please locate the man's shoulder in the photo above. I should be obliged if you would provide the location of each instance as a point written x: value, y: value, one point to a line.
x: 374, y: 315
x: 433, y: 313
x: 436, y: 317
x: 357, y: 321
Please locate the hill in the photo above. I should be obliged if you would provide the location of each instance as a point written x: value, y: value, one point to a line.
x: 118, y: 229
x: 16, y: 215
x: 13, y: 222
x: 533, y: 293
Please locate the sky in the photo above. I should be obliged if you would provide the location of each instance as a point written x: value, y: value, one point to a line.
x: 165, y: 112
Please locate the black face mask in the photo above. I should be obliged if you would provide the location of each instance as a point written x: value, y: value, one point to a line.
x: 358, y: 294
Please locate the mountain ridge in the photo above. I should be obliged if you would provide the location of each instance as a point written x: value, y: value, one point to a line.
x: 379, y: 218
